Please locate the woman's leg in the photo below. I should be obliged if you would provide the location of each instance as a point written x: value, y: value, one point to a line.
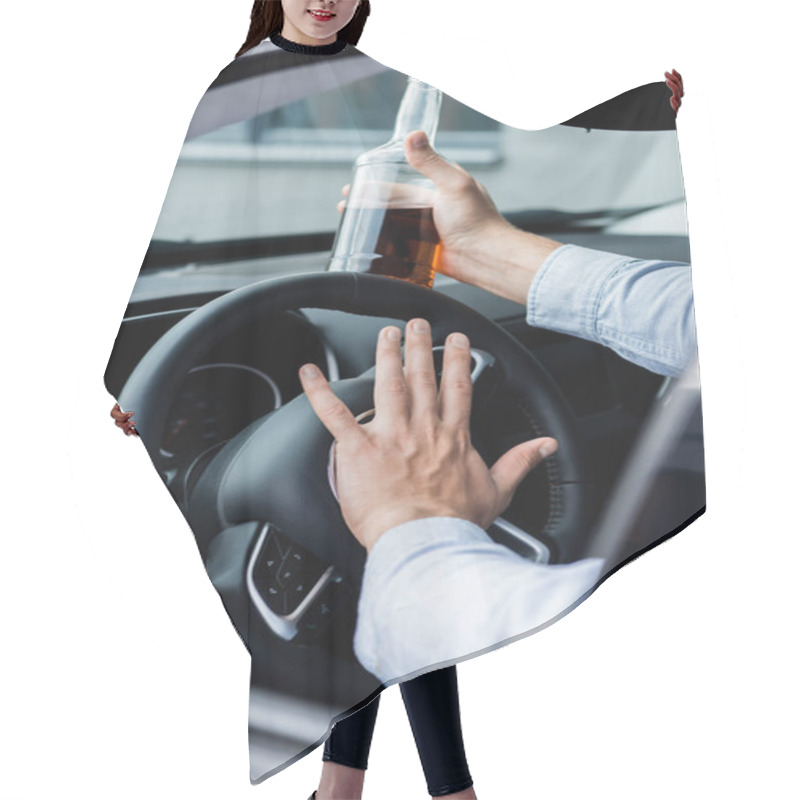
x: 433, y: 711
x: 345, y: 755
x: 432, y: 706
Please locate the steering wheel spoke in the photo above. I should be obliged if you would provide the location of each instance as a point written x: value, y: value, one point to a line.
x: 293, y: 591
x: 525, y: 544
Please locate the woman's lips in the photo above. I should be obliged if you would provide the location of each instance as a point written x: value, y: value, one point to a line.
x: 323, y: 16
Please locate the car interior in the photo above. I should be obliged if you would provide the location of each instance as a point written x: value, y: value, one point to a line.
x: 271, y: 537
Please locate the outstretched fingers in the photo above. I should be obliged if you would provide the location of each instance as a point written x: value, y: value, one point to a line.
x: 332, y: 412
x: 420, y: 372
x: 390, y: 395
x: 455, y: 393
x: 510, y: 469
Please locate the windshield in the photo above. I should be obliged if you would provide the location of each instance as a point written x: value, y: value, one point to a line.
x: 252, y: 194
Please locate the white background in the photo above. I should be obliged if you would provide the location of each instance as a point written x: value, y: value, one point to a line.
x: 122, y: 676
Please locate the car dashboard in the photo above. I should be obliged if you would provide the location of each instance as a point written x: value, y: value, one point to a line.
x: 254, y: 372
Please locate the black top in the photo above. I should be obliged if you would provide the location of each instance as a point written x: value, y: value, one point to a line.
x: 308, y: 49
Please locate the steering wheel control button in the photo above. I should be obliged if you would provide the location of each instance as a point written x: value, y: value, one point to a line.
x: 287, y: 583
x: 319, y: 614
x: 272, y: 555
x: 285, y: 570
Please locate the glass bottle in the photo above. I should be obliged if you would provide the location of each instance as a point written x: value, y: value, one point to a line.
x: 387, y: 224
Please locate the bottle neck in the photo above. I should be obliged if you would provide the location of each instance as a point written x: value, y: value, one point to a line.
x: 308, y: 49
x: 419, y: 111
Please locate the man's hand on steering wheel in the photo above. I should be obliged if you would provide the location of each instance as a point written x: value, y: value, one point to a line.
x: 415, y: 458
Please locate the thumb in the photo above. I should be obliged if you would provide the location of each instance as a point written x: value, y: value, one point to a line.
x: 426, y: 160
x: 511, y: 468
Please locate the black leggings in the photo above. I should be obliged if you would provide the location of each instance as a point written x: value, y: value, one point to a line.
x: 432, y: 706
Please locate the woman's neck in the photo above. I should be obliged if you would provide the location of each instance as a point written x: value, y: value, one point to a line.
x: 281, y: 41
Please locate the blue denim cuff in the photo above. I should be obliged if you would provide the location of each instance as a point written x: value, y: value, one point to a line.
x: 566, y: 292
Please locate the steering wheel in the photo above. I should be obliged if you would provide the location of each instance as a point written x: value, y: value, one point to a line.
x: 275, y: 471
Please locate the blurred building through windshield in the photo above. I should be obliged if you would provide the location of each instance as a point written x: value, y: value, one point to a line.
x: 303, y: 152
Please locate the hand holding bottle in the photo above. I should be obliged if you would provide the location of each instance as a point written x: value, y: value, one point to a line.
x: 479, y: 246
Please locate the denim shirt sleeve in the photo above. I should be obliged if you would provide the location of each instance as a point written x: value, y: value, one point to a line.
x: 439, y: 589
x: 641, y: 309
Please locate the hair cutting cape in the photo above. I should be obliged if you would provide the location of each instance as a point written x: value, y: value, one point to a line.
x: 233, y: 297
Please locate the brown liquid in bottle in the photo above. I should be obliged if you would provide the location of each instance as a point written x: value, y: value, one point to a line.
x: 407, y: 246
